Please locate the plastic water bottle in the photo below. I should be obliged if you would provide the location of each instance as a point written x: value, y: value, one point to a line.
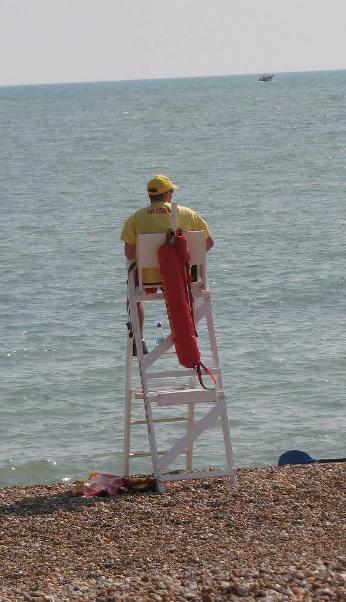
x: 160, y: 334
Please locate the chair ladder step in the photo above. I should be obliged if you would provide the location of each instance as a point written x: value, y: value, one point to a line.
x: 181, y: 396
x: 158, y: 420
x: 178, y: 373
x: 165, y: 398
x: 146, y: 454
x: 138, y: 393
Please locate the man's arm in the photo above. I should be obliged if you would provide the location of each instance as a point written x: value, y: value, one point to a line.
x: 200, y: 224
x: 130, y: 251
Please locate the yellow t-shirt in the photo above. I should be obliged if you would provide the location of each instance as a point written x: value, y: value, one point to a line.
x: 157, y: 218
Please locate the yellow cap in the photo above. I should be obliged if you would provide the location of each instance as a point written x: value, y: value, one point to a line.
x: 159, y: 185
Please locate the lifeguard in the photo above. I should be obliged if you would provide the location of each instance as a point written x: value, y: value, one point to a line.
x: 156, y: 217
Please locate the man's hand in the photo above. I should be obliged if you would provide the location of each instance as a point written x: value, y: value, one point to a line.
x: 209, y: 243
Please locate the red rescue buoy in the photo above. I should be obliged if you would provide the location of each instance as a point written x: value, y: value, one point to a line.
x: 173, y: 259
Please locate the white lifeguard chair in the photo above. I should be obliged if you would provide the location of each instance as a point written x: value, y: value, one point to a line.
x: 189, y: 395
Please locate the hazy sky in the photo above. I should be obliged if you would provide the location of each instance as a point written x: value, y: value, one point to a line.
x: 45, y: 41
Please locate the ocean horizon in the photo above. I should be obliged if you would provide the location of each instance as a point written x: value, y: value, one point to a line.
x: 173, y: 78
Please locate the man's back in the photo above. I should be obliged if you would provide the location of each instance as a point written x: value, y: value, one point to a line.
x: 157, y: 217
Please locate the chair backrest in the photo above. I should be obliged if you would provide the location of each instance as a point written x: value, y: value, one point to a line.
x: 148, y: 245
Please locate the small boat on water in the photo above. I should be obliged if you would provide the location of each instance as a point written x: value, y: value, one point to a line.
x: 267, y: 77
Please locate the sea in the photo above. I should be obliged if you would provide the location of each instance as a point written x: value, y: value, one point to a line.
x: 265, y: 164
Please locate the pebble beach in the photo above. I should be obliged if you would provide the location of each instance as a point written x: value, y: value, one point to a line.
x: 280, y: 535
